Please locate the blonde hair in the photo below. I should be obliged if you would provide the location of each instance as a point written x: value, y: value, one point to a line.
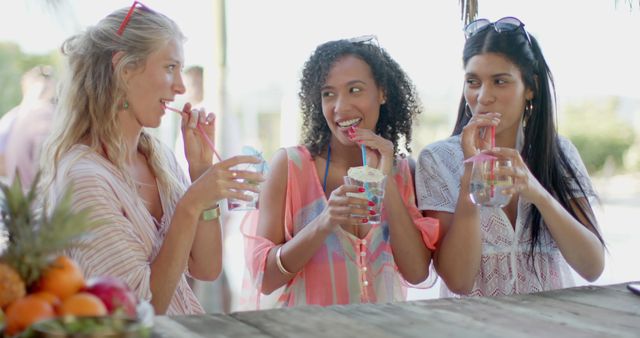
x: 93, y: 90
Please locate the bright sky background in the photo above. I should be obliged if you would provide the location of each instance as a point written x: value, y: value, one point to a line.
x: 591, y: 46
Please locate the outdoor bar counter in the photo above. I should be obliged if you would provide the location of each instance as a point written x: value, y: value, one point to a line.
x: 587, y: 311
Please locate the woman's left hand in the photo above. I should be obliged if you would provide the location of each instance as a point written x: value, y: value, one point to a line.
x: 379, y: 150
x: 524, y: 183
x: 197, y: 151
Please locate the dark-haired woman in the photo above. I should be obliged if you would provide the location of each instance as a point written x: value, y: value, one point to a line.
x: 548, y: 225
x: 311, y: 237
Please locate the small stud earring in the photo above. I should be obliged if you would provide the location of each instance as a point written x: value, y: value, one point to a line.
x: 125, y: 105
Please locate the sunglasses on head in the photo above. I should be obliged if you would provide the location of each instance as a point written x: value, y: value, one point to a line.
x: 365, y: 39
x: 506, y: 24
x: 125, y: 21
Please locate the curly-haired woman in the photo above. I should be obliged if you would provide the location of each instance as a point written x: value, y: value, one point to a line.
x: 311, y: 237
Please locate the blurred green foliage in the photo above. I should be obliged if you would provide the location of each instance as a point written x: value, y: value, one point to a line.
x: 433, y: 124
x: 14, y: 63
x: 600, y: 135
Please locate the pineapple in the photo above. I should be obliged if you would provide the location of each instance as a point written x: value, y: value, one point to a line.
x: 34, y: 238
x: 11, y: 285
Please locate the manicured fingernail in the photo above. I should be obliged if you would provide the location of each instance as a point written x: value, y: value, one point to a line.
x: 361, y: 189
x: 364, y: 220
x: 371, y: 204
x: 372, y: 212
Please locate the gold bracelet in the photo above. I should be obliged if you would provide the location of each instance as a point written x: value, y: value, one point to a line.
x: 211, y: 214
x: 279, y: 262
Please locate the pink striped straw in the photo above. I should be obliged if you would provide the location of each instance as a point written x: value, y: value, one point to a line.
x: 202, y: 133
x: 493, y: 145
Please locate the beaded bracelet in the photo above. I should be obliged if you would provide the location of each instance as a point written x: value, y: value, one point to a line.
x: 279, y: 263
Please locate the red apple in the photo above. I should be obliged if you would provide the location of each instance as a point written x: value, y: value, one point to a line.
x: 114, y: 293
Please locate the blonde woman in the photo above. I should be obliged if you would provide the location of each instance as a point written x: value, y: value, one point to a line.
x: 154, y: 226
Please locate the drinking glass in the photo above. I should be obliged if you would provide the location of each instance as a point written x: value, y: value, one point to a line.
x: 261, y: 167
x: 374, y: 186
x: 487, y: 185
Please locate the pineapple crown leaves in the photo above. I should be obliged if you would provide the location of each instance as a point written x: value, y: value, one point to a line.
x: 36, y: 237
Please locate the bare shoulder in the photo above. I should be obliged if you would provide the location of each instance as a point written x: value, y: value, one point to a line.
x: 276, y: 180
x: 272, y: 199
x: 279, y: 164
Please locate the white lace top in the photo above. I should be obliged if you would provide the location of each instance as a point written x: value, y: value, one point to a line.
x: 505, y: 268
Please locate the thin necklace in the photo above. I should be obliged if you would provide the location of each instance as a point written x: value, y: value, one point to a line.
x: 326, y: 169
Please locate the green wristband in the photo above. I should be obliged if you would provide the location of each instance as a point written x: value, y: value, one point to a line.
x: 211, y: 214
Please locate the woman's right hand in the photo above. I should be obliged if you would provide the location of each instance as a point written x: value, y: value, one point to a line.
x: 344, y: 210
x: 476, y: 135
x: 220, y: 181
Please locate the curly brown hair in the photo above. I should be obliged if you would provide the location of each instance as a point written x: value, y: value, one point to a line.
x: 396, y: 114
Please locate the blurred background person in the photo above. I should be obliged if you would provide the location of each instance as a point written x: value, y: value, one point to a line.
x: 31, y: 124
x: 6, y: 122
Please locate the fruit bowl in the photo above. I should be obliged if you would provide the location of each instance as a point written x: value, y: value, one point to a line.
x: 89, y: 327
x: 97, y: 326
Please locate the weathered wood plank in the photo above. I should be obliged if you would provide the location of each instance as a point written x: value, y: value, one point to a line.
x: 307, y: 321
x: 599, y: 297
x: 202, y: 326
x: 407, y: 320
x: 590, y: 311
x: 619, y: 287
x: 581, y: 318
x: 488, y: 320
x: 166, y: 327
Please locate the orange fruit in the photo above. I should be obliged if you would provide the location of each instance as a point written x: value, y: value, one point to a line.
x: 26, y: 311
x: 82, y: 304
x: 62, y: 278
x: 49, y: 297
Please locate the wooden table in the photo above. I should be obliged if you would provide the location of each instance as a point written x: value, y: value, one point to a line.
x: 588, y: 311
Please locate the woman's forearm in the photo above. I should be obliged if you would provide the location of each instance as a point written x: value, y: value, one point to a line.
x: 579, y: 246
x: 459, y: 254
x: 170, y: 263
x: 409, y: 251
x: 205, y: 261
x: 294, y: 255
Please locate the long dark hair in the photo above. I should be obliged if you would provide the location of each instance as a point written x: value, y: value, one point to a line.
x: 396, y: 115
x: 541, y: 151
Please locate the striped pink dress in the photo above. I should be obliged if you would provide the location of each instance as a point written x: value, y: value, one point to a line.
x: 346, y: 269
x: 128, y: 238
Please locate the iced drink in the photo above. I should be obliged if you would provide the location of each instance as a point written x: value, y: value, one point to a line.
x: 240, y: 205
x: 373, y: 181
